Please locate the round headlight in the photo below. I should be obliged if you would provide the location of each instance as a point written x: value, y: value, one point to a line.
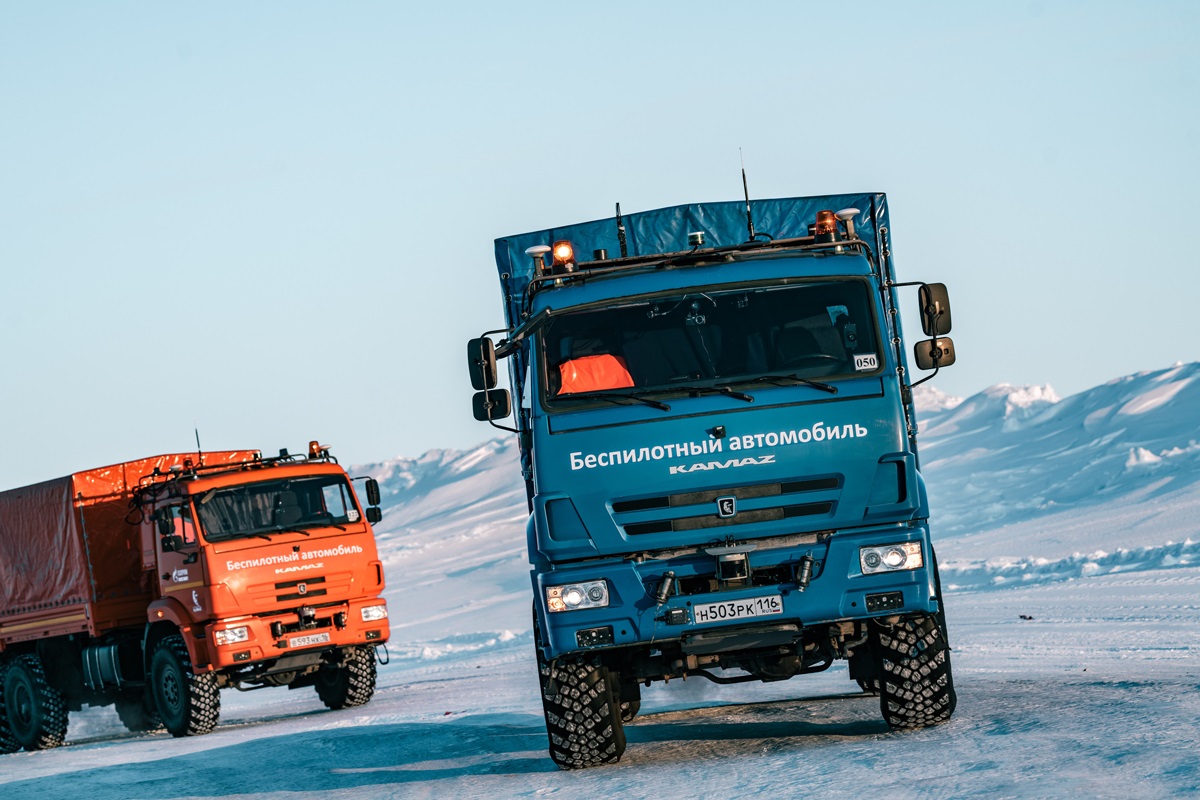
x: 572, y: 596
x: 894, y: 557
x: 596, y: 594
x: 872, y: 560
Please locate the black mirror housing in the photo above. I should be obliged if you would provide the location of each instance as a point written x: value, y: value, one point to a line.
x: 372, y: 492
x: 481, y: 363
x: 492, y: 405
x: 165, y: 527
x: 934, y: 353
x: 374, y: 515
x: 172, y: 543
x: 935, y: 309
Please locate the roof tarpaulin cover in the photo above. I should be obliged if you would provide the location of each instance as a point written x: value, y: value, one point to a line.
x: 66, y: 541
x: 665, y: 230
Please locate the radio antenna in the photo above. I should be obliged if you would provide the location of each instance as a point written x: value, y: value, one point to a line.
x: 199, y: 452
x: 746, y: 191
x: 621, y: 233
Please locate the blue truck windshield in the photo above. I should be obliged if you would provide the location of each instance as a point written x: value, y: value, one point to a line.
x: 271, y: 506
x: 818, y: 330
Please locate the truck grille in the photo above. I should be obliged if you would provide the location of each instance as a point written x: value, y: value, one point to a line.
x: 292, y: 591
x: 791, y: 493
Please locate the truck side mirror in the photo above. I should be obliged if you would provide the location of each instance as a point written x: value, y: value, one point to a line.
x: 372, y: 492
x: 490, y: 405
x: 481, y: 363
x: 934, y: 353
x: 172, y: 542
x: 165, y: 526
x: 374, y: 515
x: 935, y: 309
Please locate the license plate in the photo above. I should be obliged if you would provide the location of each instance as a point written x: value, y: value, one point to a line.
x: 310, y: 640
x: 738, y: 609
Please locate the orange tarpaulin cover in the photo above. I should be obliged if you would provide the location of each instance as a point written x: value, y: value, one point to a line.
x: 594, y: 374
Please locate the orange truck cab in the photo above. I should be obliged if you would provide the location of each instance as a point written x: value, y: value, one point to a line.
x: 153, y: 584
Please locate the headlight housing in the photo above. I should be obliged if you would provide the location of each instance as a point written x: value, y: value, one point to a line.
x: 231, y: 635
x: 574, y: 596
x: 372, y: 613
x: 891, y: 557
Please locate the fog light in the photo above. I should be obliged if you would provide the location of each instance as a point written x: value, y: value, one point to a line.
x: 590, y: 594
x: 594, y: 637
x: 231, y: 636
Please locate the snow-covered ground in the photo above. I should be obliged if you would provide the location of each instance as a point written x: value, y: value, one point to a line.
x: 1069, y: 536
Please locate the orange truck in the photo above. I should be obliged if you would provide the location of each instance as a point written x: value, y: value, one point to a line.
x: 153, y: 584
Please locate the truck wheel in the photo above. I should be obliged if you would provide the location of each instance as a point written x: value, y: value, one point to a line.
x: 35, y: 713
x: 583, y: 715
x: 916, y: 688
x: 137, y: 713
x: 351, y: 684
x: 188, y: 704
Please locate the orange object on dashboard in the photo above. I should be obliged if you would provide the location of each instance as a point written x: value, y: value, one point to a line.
x: 594, y: 374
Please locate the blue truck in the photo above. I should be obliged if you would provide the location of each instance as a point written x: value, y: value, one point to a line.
x: 717, y: 436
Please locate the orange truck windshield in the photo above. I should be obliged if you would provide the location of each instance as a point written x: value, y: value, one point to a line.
x: 270, y: 506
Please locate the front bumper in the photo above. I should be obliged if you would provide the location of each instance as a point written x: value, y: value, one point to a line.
x: 271, y: 636
x: 838, y: 591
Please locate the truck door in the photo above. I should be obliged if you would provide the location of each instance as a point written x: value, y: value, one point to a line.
x: 180, y: 573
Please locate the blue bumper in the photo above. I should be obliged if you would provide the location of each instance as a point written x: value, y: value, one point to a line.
x: 838, y: 591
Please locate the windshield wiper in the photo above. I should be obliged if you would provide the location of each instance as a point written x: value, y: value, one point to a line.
x: 696, y: 391
x: 783, y: 380
x: 616, y: 397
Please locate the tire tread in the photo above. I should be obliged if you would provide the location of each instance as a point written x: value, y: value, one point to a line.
x: 916, y: 687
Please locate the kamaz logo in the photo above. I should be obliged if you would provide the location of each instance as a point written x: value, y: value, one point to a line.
x: 302, y: 588
x: 726, y: 507
x: 701, y: 466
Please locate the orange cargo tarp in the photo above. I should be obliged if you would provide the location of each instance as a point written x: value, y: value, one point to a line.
x: 594, y: 374
x: 65, y: 542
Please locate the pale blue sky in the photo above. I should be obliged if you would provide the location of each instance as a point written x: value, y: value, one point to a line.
x: 274, y: 221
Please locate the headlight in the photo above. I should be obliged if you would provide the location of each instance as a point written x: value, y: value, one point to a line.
x: 891, y: 557
x: 591, y: 594
x: 372, y: 613
x: 231, y: 635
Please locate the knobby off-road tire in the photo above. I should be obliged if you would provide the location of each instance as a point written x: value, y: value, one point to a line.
x: 35, y: 714
x: 916, y: 687
x: 583, y: 711
x: 188, y: 704
x: 350, y: 685
x: 138, y: 712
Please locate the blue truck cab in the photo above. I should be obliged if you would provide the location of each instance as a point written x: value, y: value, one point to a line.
x: 718, y: 443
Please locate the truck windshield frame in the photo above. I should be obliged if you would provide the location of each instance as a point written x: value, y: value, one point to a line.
x: 261, y: 508
x: 694, y: 339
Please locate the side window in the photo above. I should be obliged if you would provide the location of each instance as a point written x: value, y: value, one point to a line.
x: 338, y: 503
x: 183, y: 524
